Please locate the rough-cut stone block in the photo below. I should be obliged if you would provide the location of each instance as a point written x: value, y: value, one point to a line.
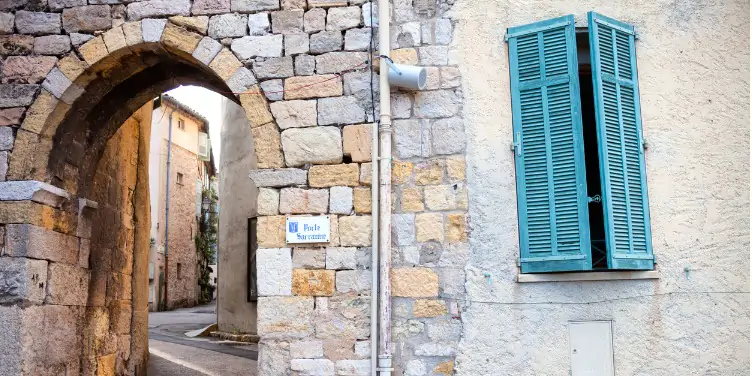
x: 27, y: 69
x: 268, y: 201
x: 407, y: 35
x: 253, y: 5
x: 285, y: 317
x: 429, y: 226
x: 354, y: 367
x: 314, y: 20
x: 287, y: 21
x: 199, y: 24
x: 93, y: 51
x: 456, y: 230
x: 3, y: 165
x: 309, y: 349
x: 403, y: 229
x: 366, y: 173
x: 270, y: 231
x: 448, y: 136
x: 411, y: 138
x: 225, y: 64
x: 303, y: 201
x: 339, y: 258
x: 437, y: 104
x: 179, y: 39
x: 445, y: 331
x: 402, y: 105
x: 241, y: 80
x: 114, y: 39
x: 279, y: 177
x: 362, y: 349
x: 255, y: 108
x: 455, y: 167
x: 354, y: 281
x: 228, y: 25
x: 204, y: 7
x: 326, y: 3
x: 37, y: 23
x: 17, y: 95
x: 335, y: 62
x: 52, y: 45
x: 362, y: 200
x: 309, y: 258
x: 253, y: 46
x: 411, y: 200
x: 24, y: 280
x: 446, y: 197
x: 319, y: 86
x: 436, y: 349
x: 429, y: 173
x: 258, y: 24
x: 429, y: 308
x: 330, y: 176
x: 275, y: 67
x: 295, y: 113
x: 16, y: 44
x: 414, y: 283
x: 87, y: 18
x: 347, y: 317
x: 357, y: 142
x: 401, y: 171
x: 341, y: 200
x: 319, y: 145
x: 296, y: 44
x: 358, y: 39
x: 273, y: 89
x: 274, y: 271
x: 152, y: 29
x: 342, y: 18
x: 58, y: 84
x: 266, y: 142
x: 7, y: 20
x: 67, y: 285
x: 273, y: 357
x: 312, y: 366
x: 78, y: 39
x: 304, y: 65
x: 36, y: 242
x: 158, y: 8
x: 309, y: 282
x: 325, y: 41
x: 355, y: 231
x: 340, y: 110
x: 9, y: 116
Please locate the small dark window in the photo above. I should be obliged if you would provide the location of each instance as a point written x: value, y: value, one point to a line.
x: 180, y: 271
x: 180, y: 179
x: 181, y: 124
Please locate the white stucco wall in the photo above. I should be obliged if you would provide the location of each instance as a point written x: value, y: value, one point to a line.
x: 693, y: 61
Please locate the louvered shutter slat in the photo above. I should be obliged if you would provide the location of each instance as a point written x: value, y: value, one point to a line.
x: 549, y: 156
x: 622, y: 160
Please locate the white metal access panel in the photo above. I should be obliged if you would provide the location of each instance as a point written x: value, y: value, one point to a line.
x: 591, y: 348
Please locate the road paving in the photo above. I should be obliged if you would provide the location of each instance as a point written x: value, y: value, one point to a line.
x: 171, y: 352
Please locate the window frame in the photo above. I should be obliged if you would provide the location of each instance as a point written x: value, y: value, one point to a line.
x: 179, y: 177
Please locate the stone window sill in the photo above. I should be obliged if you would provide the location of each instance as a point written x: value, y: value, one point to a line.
x: 591, y: 276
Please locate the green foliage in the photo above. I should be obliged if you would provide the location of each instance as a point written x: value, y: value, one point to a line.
x: 206, y: 245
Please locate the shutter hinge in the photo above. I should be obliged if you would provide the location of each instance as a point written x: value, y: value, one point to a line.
x: 517, y: 260
x: 636, y: 36
x: 506, y: 36
x: 596, y: 199
x: 644, y: 143
x: 517, y: 145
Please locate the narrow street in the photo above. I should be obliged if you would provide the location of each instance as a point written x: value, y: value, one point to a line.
x: 171, y: 352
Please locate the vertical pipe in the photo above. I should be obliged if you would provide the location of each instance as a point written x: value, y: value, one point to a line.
x: 374, y: 239
x: 167, y: 210
x: 385, y: 193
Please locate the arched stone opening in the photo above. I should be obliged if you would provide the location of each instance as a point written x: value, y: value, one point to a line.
x: 84, y: 145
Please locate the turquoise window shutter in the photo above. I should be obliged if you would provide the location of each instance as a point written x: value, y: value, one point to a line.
x: 549, y: 151
x: 620, y: 144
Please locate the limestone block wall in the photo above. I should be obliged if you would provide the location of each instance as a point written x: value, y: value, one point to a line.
x: 314, y: 158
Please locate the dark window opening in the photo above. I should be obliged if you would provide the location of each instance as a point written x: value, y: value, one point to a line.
x: 592, y: 162
x: 181, y: 124
x: 180, y: 179
x: 180, y: 271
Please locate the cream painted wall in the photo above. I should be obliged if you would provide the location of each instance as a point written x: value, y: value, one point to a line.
x: 693, y: 61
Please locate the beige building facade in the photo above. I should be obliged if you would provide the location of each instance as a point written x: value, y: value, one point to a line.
x: 478, y: 284
x: 191, y: 171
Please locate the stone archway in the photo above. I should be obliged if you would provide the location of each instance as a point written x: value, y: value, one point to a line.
x: 75, y: 205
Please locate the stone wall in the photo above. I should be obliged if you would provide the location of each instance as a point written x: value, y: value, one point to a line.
x: 182, y: 289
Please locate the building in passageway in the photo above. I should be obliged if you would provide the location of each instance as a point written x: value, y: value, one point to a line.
x: 192, y: 171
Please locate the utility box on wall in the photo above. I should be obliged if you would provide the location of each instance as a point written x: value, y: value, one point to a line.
x: 591, y: 348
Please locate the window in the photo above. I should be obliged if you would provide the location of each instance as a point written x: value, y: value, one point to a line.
x: 180, y: 271
x: 181, y: 124
x: 578, y: 145
x: 179, y: 179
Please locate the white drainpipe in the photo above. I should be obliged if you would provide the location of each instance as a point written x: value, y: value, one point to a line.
x: 385, y: 194
x: 374, y: 242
